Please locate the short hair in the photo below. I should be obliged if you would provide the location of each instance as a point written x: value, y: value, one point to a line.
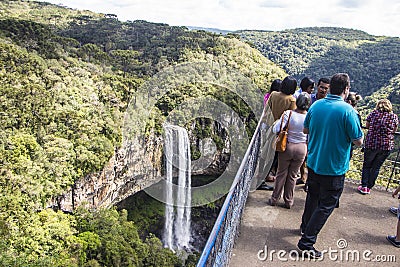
x: 303, y: 101
x: 339, y: 82
x: 384, y: 105
x: 289, y: 85
x: 306, y: 82
x: 275, y: 85
x: 324, y: 80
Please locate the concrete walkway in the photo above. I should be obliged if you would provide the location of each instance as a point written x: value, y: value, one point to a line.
x: 358, y: 227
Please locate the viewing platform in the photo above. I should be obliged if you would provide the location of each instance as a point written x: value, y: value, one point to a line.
x: 249, y: 232
x: 268, y: 235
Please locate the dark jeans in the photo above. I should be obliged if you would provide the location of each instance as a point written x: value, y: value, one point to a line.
x: 323, y: 195
x: 373, y: 160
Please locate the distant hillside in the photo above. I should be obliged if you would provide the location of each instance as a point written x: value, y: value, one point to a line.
x: 212, y: 30
x: 370, y: 60
x: 391, y: 91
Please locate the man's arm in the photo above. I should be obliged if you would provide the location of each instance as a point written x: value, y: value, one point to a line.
x: 305, y: 130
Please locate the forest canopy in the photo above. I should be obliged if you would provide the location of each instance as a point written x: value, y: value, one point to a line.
x: 67, y: 77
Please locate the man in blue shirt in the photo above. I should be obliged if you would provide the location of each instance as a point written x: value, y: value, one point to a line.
x: 322, y: 89
x: 332, y: 125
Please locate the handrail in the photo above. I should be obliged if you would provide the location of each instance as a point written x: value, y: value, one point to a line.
x: 225, y: 229
x: 240, y: 188
x: 392, y: 165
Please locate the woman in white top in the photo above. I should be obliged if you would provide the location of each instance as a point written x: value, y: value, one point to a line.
x: 290, y: 161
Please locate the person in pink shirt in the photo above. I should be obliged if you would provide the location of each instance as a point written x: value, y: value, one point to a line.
x: 275, y: 87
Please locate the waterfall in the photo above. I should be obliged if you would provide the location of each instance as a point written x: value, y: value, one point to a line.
x: 178, y: 197
x: 169, y: 208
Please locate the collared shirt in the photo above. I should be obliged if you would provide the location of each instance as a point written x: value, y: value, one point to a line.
x: 297, y: 93
x: 382, y: 126
x: 313, y: 98
x: 333, y: 125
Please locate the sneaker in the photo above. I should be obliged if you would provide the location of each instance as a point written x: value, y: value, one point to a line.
x: 392, y: 239
x: 368, y: 191
x: 363, y: 190
x: 393, y: 210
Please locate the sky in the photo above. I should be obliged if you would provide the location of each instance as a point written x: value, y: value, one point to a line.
x: 376, y: 17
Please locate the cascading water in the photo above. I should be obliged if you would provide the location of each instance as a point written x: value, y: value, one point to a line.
x: 177, y: 220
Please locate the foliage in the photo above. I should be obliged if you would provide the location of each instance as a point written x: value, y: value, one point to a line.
x: 320, y: 52
x: 45, y: 13
x: 147, y: 212
x: 110, y: 239
x: 66, y: 79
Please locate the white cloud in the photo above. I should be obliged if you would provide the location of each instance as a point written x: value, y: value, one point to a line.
x: 377, y: 17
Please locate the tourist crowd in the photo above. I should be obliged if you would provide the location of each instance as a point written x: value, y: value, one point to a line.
x: 323, y: 127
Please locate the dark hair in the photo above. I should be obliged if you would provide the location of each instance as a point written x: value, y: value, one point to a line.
x: 324, y: 80
x: 306, y: 82
x: 275, y: 85
x: 303, y: 101
x: 289, y: 85
x: 353, y: 98
x: 339, y: 82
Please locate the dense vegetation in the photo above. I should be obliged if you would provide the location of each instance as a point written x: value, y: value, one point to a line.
x: 371, y: 61
x: 66, y: 79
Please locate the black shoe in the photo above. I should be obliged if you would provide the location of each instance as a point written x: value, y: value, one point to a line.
x: 393, y: 210
x: 392, y: 239
x: 299, y: 181
x: 310, y: 253
x: 269, y: 202
x: 287, y: 206
x: 265, y: 187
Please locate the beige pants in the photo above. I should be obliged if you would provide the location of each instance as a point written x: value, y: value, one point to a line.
x: 289, y: 163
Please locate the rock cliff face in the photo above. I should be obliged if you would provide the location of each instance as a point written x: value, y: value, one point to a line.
x: 137, y: 165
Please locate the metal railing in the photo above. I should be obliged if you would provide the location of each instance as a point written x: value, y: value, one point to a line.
x: 218, y: 249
